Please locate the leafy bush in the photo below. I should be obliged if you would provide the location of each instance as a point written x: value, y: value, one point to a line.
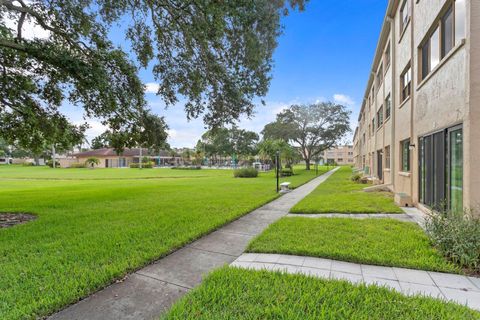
x: 456, y: 236
x: 187, y: 168
x: 245, y: 173
x: 78, y: 165
x: 286, y: 172
x: 28, y: 164
x: 356, y: 177
x: 147, y: 165
x: 50, y: 163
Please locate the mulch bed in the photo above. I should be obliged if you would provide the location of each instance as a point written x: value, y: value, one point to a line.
x: 11, y: 219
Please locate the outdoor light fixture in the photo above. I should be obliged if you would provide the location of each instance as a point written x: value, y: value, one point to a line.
x: 411, y: 146
x: 277, y: 166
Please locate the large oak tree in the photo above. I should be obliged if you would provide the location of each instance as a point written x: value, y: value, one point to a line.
x: 313, y: 127
x: 214, y: 55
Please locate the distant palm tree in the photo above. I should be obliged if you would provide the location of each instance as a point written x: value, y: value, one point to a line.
x: 92, y: 162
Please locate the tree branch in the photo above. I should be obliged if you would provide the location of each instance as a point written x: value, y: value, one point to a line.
x: 21, y: 20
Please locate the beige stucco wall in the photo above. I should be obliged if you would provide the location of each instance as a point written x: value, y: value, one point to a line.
x: 472, y: 125
x: 449, y: 96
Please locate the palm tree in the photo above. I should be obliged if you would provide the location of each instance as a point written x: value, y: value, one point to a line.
x: 92, y: 162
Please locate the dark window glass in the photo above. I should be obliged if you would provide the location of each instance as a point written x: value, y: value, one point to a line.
x: 405, y: 155
x: 447, y: 32
x: 388, y: 107
x: 425, y: 59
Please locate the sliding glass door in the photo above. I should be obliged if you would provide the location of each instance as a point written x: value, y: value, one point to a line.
x: 441, y: 169
x: 455, y: 170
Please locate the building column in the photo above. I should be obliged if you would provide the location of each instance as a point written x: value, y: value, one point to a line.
x: 472, y: 126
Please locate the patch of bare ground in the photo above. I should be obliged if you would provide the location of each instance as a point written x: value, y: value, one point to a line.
x: 9, y: 219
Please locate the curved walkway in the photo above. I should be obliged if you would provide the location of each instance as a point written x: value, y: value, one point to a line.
x: 148, y: 292
x: 458, y: 288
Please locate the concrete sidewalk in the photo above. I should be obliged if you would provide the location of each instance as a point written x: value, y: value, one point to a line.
x: 452, y: 287
x: 147, y: 293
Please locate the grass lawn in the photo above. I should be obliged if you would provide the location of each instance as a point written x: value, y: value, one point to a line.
x: 385, y: 242
x: 94, y: 226
x: 341, y: 195
x: 232, y: 293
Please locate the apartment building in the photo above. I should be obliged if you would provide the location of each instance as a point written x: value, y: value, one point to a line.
x: 341, y: 155
x: 419, y: 125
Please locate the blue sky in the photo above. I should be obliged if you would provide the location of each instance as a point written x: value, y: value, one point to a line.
x: 325, y: 53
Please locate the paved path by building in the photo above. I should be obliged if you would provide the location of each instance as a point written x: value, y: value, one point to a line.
x: 147, y: 293
x: 410, y: 215
x: 462, y: 289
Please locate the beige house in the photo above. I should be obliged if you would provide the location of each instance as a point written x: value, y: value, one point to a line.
x: 419, y: 124
x: 341, y: 155
x: 110, y: 159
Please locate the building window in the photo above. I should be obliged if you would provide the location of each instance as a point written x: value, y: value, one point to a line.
x: 388, y: 106
x: 441, y: 169
x: 460, y: 26
x: 404, y: 14
x: 380, y: 76
x: 380, y: 116
x: 405, y: 155
x: 450, y: 30
x: 387, y: 56
x: 447, y: 32
x: 387, y: 157
x: 406, y: 82
x: 373, y: 126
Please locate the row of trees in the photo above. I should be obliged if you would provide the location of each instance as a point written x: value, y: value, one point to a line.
x: 299, y: 132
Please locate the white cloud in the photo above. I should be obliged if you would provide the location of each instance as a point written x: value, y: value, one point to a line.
x: 151, y: 87
x: 343, y: 99
x: 30, y: 30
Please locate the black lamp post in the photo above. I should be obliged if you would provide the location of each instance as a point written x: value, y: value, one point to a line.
x: 277, y: 165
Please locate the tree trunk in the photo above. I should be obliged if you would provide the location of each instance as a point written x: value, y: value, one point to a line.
x: 307, y: 164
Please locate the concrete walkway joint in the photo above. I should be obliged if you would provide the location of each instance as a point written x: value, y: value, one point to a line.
x: 451, y: 287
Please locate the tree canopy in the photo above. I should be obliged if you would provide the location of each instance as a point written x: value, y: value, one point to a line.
x: 214, y: 55
x: 313, y: 127
x: 268, y: 149
x: 225, y: 142
x: 150, y: 133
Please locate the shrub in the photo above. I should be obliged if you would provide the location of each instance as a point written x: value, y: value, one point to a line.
x: 187, y: 168
x: 286, y: 172
x: 245, y: 173
x: 147, y: 165
x: 28, y: 164
x: 50, y: 163
x: 457, y: 236
x: 356, y: 177
x: 78, y: 165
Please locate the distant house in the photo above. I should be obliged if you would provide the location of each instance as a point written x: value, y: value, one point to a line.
x: 5, y: 160
x: 340, y: 155
x: 110, y: 159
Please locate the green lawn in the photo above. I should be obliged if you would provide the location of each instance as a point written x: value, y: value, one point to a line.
x: 384, y: 242
x: 231, y: 293
x: 94, y: 226
x: 341, y: 195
